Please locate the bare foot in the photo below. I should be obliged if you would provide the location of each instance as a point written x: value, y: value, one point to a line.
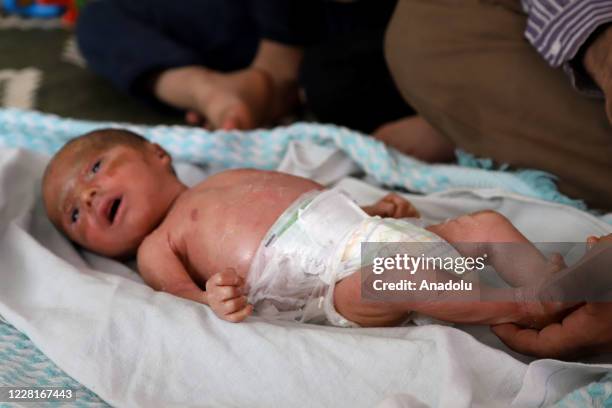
x: 555, y: 263
x: 239, y: 100
x: 536, y: 315
x: 415, y: 137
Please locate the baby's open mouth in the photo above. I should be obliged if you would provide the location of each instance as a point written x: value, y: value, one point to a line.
x: 112, y: 212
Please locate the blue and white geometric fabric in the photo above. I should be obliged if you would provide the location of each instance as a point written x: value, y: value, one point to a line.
x: 265, y: 148
x: 23, y: 365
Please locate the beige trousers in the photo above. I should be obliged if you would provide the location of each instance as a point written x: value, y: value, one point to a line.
x: 466, y: 67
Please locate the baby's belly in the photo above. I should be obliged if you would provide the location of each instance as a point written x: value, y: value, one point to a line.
x: 231, y: 239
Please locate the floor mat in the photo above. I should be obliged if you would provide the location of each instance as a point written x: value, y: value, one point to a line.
x: 42, y: 69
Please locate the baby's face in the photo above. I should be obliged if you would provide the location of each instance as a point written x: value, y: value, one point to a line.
x: 109, y: 199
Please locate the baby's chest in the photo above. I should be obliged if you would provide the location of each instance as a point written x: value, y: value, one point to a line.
x: 212, y: 247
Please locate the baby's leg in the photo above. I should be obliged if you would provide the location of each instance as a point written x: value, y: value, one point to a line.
x: 516, y: 259
x: 350, y: 303
x: 484, y: 228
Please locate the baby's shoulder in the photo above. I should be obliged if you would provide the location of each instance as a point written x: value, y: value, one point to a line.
x: 157, y: 244
x: 152, y: 243
x: 229, y: 178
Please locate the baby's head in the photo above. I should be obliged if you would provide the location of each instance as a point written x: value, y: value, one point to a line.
x: 108, y: 189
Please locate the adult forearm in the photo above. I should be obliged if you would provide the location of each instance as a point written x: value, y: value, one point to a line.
x: 598, y: 58
x: 280, y: 61
x: 561, y: 31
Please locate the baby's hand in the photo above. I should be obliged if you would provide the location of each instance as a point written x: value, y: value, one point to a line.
x: 392, y: 206
x: 225, y: 296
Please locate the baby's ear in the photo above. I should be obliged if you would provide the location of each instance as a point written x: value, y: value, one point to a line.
x: 161, y: 153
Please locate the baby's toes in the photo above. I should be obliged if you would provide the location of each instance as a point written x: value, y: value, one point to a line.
x: 556, y: 263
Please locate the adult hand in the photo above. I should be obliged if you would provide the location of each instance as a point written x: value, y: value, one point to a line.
x: 598, y: 63
x: 587, y: 330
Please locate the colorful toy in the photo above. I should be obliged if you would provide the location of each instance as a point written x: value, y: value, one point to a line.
x: 67, y: 9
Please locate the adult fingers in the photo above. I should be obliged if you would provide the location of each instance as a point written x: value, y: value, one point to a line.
x: 550, y: 342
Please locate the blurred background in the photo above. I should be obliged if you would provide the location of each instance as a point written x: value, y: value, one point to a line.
x: 41, y: 67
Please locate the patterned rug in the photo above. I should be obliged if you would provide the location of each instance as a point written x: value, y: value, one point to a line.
x: 41, y: 68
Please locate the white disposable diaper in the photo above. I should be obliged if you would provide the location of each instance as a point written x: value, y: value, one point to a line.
x: 315, y: 243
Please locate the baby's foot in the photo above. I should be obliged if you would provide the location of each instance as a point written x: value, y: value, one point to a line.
x: 554, y: 264
x: 415, y: 137
x: 537, y: 315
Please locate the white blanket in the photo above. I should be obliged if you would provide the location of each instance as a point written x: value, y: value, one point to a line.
x: 136, y: 347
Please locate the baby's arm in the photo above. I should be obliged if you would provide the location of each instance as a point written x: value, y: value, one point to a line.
x: 392, y: 206
x: 162, y: 269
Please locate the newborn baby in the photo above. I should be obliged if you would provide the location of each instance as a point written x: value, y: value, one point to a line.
x: 245, y: 237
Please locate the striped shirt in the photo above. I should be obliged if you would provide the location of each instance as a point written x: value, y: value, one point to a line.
x: 559, y: 28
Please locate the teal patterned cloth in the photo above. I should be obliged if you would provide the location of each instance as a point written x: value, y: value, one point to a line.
x: 597, y: 395
x: 266, y: 148
x: 23, y: 365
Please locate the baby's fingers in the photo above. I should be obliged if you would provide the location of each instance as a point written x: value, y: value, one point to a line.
x: 403, y: 209
x: 224, y: 293
x: 239, y: 315
x: 233, y: 305
x: 401, y: 206
x: 228, y: 277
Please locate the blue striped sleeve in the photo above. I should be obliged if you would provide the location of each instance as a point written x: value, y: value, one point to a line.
x: 559, y: 28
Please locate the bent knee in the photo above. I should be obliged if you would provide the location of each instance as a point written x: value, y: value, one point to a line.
x: 96, y: 18
x: 407, y: 48
x: 488, y: 217
x: 350, y: 304
x: 474, y: 227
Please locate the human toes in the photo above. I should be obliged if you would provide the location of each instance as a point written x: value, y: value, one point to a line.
x: 556, y: 263
x: 236, y: 117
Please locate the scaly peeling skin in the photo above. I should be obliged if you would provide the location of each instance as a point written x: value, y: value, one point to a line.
x: 252, y: 201
x: 121, y: 200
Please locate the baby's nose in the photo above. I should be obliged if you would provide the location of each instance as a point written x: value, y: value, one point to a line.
x: 87, y: 195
